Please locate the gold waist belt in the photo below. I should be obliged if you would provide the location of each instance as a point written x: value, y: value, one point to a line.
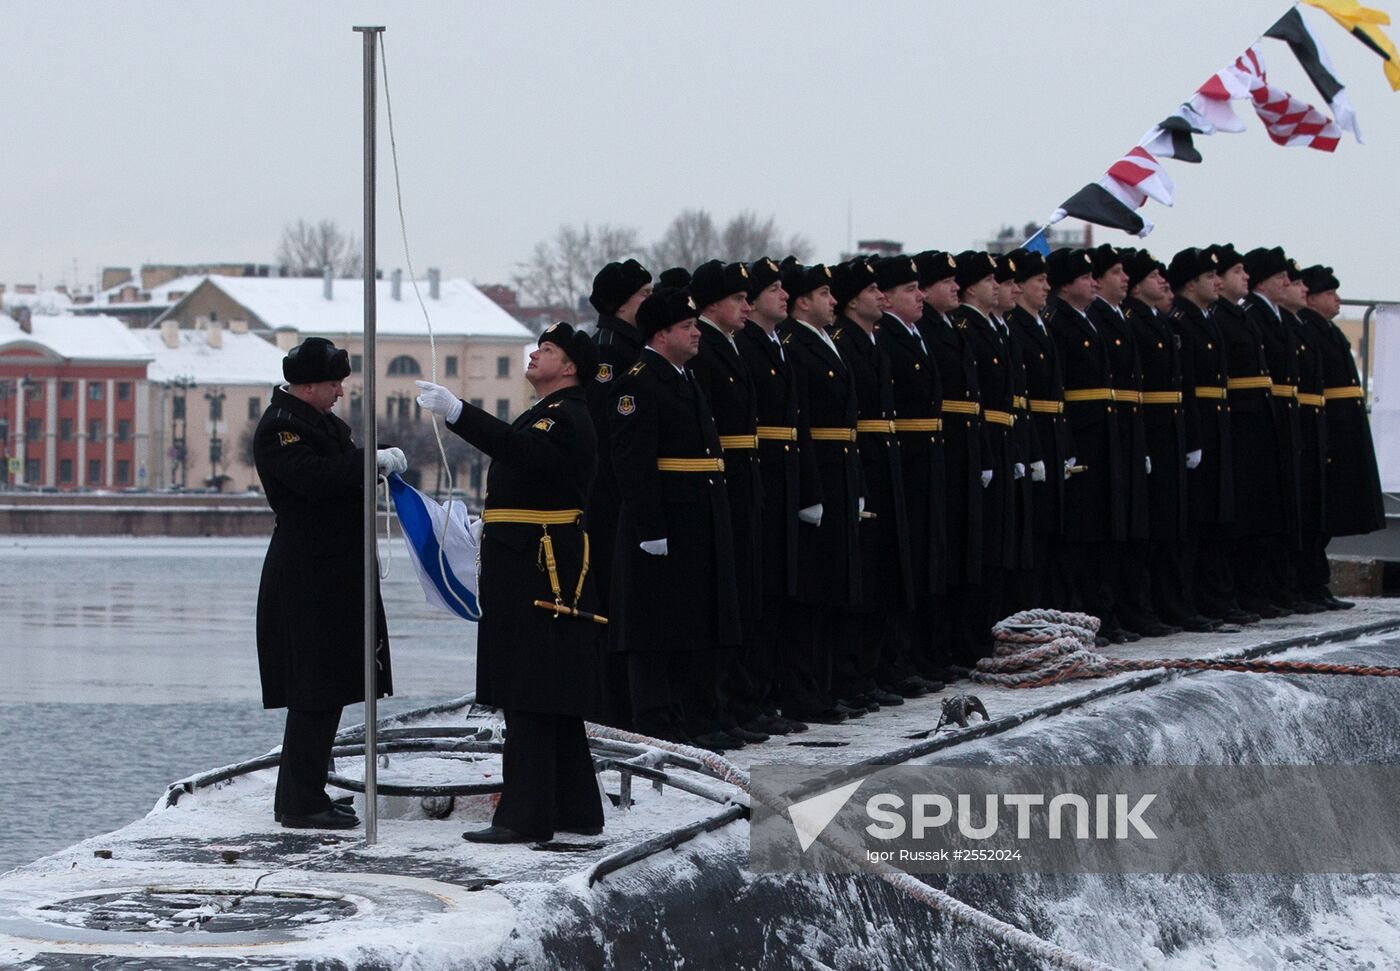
x: 1121, y: 394
x: 833, y: 434
x: 533, y: 517
x: 738, y: 441
x: 776, y: 433
x: 1047, y: 407
x: 1250, y: 384
x: 918, y: 424
x: 875, y: 426
x: 1209, y: 391
x: 1311, y: 400
x: 1018, y: 402
x: 999, y: 417
x: 690, y: 465
x: 958, y: 406
x: 1161, y: 397
x: 1089, y: 394
x: 1284, y: 390
x: 1350, y: 391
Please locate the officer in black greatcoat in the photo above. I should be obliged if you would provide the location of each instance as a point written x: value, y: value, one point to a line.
x: 957, y: 624
x: 1310, y: 430
x: 675, y: 601
x: 918, y: 423
x: 1045, y: 393
x: 872, y: 651
x: 1354, y: 504
x: 829, y: 574
x: 618, y: 290
x: 780, y: 669
x: 310, y: 615
x: 1095, y: 506
x: 721, y: 294
x: 537, y: 659
x: 976, y: 279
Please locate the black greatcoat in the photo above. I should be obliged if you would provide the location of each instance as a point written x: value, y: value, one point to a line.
x: 729, y: 390
x: 884, y: 527
x: 964, y: 442
x: 994, y: 379
x: 1281, y: 351
x: 1163, y: 420
x: 1095, y: 507
x: 1044, y: 386
x: 918, y: 397
x: 1126, y: 365
x: 1025, y: 449
x: 1254, y: 442
x: 780, y: 457
x: 1312, y: 431
x: 311, y: 617
x: 1354, y: 503
x: 828, y: 554
x: 526, y: 658
x: 1205, y: 368
x: 685, y: 600
x: 619, y: 346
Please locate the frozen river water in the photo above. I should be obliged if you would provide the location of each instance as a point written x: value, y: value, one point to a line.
x: 128, y: 663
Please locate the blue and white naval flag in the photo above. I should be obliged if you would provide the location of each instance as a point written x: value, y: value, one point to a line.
x: 449, y: 579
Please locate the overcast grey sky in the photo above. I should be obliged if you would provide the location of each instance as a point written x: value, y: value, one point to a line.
x: 184, y: 131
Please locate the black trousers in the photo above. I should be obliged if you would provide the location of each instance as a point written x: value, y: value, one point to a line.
x: 748, y: 679
x: 657, y: 681
x: 549, y: 780
x: 805, y: 658
x: 1214, y: 580
x: 1170, y: 567
x: 1313, y: 572
x: 1091, y: 567
x: 306, y: 754
x: 1253, y: 564
x: 1133, y: 586
x: 862, y: 643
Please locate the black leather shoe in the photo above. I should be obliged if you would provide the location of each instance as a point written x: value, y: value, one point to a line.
x: 744, y: 735
x: 1101, y: 640
x: 1160, y: 630
x: 1333, y: 603
x: 866, y: 700
x: 827, y: 716
x: 793, y: 726
x: 887, y: 698
x: 1241, y: 617
x: 717, y: 742
x: 580, y: 830
x: 850, y: 711
x: 326, y: 819
x: 1308, y: 607
x: 767, y: 725
x: 496, y: 834
x: 911, y: 688
x: 1118, y: 635
x: 1265, y: 610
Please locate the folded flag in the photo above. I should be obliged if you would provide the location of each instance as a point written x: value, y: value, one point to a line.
x: 441, y: 548
x: 1097, y: 203
x: 1365, y: 24
x: 1293, y: 30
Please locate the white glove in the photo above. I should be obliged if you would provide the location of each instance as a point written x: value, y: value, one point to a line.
x: 656, y: 547
x: 1193, y: 459
x: 1018, y: 471
x: 860, y: 504
x: 391, y: 460
x: 1147, y: 460
x: 1037, y: 471
x: 478, y: 524
x: 1070, y: 463
x: 986, y: 478
x: 439, y: 400
x: 811, y: 515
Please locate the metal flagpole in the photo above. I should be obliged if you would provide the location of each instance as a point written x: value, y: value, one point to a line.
x: 371, y: 472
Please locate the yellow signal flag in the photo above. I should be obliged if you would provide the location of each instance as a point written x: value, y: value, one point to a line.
x: 1365, y: 24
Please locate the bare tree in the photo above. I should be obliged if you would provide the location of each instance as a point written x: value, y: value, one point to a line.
x: 560, y: 271
x: 307, y: 249
x: 748, y: 237
x: 690, y: 240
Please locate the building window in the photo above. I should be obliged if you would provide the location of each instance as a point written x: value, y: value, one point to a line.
x: 177, y: 408
x: 357, y: 363
x: 95, y: 429
x: 34, y: 390
x: 123, y: 429
x: 123, y: 472
x: 404, y: 365
x: 123, y: 390
x: 503, y: 409
x: 451, y: 370
x: 66, y: 390
x: 33, y: 429
x: 33, y: 471
x: 4, y: 431
x: 503, y: 367
x: 254, y: 409
x: 65, y: 429
x: 65, y: 470
x: 95, y: 391
x: 216, y: 408
x: 94, y: 471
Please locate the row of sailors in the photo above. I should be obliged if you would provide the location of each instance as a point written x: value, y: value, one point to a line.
x: 818, y: 487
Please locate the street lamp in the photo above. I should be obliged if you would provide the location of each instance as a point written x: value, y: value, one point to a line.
x: 215, y: 396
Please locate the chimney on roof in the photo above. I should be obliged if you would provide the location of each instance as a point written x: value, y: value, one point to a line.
x: 326, y: 281
x: 434, y: 282
x: 397, y: 284
x: 287, y: 338
x: 26, y: 322
x: 238, y: 326
x: 214, y: 336
x: 170, y: 332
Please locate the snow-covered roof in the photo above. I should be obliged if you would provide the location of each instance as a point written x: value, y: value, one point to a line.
x: 460, y: 311
x: 44, y: 302
x: 242, y: 358
x: 74, y: 338
x: 164, y: 295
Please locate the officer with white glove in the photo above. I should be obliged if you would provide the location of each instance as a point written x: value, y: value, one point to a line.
x: 390, y: 460
x: 1038, y: 471
x: 440, y: 401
